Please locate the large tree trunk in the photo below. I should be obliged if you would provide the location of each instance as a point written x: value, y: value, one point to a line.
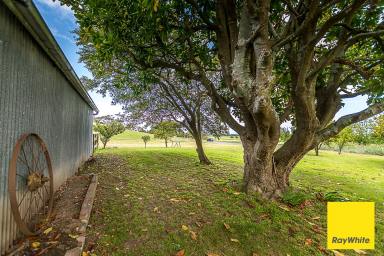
x: 200, y: 150
x: 261, y: 174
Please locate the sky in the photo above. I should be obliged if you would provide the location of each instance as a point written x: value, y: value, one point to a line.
x: 62, y: 23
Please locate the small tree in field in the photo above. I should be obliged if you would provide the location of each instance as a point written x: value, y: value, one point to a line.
x: 165, y: 130
x: 378, y: 129
x: 146, y: 138
x: 317, y: 148
x: 108, y: 129
x: 343, y: 138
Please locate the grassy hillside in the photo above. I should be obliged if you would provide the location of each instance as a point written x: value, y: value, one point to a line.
x: 130, y: 135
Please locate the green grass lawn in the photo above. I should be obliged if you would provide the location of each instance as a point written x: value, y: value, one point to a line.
x: 133, y: 139
x: 159, y: 201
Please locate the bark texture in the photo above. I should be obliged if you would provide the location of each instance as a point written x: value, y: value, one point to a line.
x: 200, y: 150
x: 246, y: 53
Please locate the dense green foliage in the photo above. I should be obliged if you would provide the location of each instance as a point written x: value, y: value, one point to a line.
x: 108, y: 129
x: 165, y: 130
x: 343, y: 138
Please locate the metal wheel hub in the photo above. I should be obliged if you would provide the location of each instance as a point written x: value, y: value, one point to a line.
x: 36, y: 180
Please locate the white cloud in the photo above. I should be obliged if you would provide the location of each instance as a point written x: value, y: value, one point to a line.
x: 56, y: 5
x: 57, y: 34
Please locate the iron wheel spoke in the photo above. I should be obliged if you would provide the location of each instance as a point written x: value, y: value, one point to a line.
x: 26, y: 159
x: 22, y: 198
x: 29, y: 207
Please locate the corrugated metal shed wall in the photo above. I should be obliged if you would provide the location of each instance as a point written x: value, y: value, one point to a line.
x: 36, y: 97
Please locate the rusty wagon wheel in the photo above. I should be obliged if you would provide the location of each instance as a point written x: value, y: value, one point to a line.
x: 30, y: 183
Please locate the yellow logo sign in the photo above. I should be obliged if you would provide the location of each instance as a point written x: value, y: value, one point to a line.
x: 351, y: 225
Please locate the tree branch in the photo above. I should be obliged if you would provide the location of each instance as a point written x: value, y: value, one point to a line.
x: 336, y: 127
x: 336, y: 18
x: 309, y: 18
x: 365, y: 73
x: 353, y: 94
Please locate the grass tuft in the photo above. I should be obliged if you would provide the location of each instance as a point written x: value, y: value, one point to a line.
x: 294, y: 198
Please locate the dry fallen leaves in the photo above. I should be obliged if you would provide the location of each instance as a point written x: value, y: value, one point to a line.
x: 193, y: 235
x: 73, y: 236
x: 305, y: 204
x: 184, y: 227
x: 360, y: 252
x: 317, y: 229
x: 284, y: 208
x: 263, y: 216
x: 337, y: 253
x: 227, y: 226
x: 47, y: 231
x: 310, y: 223
x: 308, y: 241
x: 156, y: 209
x: 322, y: 249
x: 235, y: 240
x: 35, y: 245
x: 180, y: 253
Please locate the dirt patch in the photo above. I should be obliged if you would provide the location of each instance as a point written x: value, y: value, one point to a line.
x: 63, y: 228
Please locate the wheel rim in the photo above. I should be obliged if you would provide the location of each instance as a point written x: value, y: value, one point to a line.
x: 30, y: 183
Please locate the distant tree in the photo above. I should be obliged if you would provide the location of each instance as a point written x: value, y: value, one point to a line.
x: 363, y: 132
x: 146, y: 138
x: 285, y: 134
x: 317, y: 148
x: 107, y: 119
x: 378, y: 129
x: 165, y: 130
x: 320, y: 145
x: 345, y: 136
x: 108, y: 129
